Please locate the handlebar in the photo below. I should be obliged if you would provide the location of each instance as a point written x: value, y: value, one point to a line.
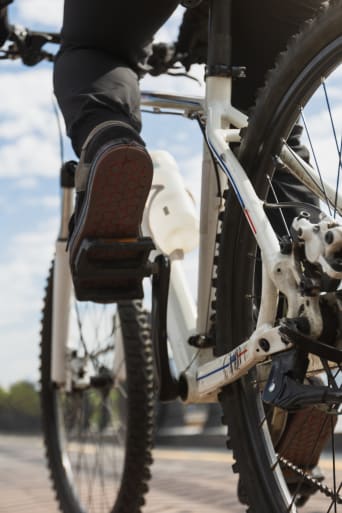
x: 27, y: 45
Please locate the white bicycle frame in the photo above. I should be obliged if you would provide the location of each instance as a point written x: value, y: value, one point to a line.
x: 204, y: 374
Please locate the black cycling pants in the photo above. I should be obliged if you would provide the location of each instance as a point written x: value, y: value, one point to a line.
x: 105, y: 42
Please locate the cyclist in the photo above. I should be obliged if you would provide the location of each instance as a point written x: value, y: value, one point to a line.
x: 103, y: 55
x: 104, y: 49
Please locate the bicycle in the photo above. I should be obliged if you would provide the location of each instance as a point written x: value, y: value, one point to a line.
x: 265, y: 342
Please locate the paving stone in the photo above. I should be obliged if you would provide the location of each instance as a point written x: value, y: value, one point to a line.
x: 184, y: 481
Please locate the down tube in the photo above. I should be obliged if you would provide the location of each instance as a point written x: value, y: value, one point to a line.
x: 250, y: 203
x: 259, y: 224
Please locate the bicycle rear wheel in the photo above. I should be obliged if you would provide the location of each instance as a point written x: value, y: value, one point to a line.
x: 98, y: 428
x: 304, y: 85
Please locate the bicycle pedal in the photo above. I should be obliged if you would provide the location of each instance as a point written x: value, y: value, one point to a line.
x: 110, y: 270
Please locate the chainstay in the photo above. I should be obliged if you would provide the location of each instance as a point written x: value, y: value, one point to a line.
x: 312, y: 481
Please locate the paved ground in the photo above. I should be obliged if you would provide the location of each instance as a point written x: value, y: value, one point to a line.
x: 184, y: 481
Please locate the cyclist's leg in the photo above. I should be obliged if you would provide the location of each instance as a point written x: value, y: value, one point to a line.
x: 261, y: 30
x: 104, y: 46
x: 96, y: 83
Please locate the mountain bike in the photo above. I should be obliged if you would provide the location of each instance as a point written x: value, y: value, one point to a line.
x: 263, y: 339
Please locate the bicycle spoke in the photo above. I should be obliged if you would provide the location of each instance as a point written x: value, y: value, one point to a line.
x: 80, y: 328
x: 334, y: 461
x: 280, y: 210
x: 331, y: 378
x: 315, y: 184
x: 313, y: 153
x: 337, y: 143
x: 333, y: 502
x: 339, y: 149
x: 330, y: 113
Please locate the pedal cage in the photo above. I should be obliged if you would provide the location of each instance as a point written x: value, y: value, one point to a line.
x: 110, y: 270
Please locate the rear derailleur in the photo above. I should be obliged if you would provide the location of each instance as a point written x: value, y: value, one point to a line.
x: 314, y: 256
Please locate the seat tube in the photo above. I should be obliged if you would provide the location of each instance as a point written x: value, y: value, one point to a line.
x: 218, y: 106
x: 219, y: 64
x: 219, y: 38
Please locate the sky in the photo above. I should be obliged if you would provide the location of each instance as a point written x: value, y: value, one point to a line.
x: 29, y: 174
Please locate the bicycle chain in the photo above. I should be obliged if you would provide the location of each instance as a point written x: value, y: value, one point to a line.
x: 311, y: 480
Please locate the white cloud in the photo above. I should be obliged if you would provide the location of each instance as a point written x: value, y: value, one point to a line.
x: 169, y: 32
x: 29, y: 156
x: 38, y: 11
x: 27, y: 183
x: 48, y: 201
x: 322, y: 139
x: 24, y: 89
x: 28, y: 134
x: 177, y: 85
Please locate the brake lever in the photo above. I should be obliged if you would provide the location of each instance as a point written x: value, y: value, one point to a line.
x: 29, y: 45
x: 47, y: 56
x: 184, y: 74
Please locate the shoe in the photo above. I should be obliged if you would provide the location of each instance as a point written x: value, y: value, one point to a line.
x: 113, y: 180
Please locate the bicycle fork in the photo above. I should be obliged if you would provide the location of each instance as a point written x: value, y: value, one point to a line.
x: 62, y: 283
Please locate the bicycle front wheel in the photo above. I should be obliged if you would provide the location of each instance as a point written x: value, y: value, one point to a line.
x: 98, y: 428
x: 285, y: 459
